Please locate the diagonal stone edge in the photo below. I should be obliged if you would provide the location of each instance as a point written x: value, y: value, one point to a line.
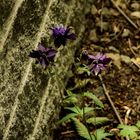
x: 8, y: 25
x: 28, y: 68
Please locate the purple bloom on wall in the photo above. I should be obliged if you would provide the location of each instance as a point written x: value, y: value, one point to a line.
x: 61, y: 34
x: 43, y: 55
x: 98, y: 63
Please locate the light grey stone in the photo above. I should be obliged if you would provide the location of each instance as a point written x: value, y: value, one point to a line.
x: 30, y: 98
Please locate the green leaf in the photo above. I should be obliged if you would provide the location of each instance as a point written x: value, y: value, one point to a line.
x: 129, y: 131
x: 94, y: 98
x: 83, y: 69
x: 81, y: 129
x: 138, y: 124
x: 97, y: 120
x: 87, y: 109
x: 75, y: 109
x: 100, y: 134
x: 69, y: 92
x: 80, y: 83
x: 70, y: 99
x: 67, y: 117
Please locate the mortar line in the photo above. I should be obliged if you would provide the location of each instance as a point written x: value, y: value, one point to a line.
x: 43, y: 100
x: 9, y: 22
x: 25, y: 76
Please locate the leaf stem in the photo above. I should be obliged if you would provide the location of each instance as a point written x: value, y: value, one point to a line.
x: 110, y: 100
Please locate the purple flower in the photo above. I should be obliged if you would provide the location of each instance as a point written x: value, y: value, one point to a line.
x: 61, y: 34
x: 98, y: 63
x: 43, y: 55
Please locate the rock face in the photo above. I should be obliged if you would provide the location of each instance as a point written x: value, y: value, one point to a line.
x: 29, y: 97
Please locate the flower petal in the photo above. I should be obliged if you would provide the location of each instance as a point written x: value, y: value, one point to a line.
x: 99, y: 56
x: 71, y: 36
x: 96, y: 69
x: 51, y: 53
x: 41, y: 48
x: 106, y: 60
x: 92, y: 57
x: 34, y: 54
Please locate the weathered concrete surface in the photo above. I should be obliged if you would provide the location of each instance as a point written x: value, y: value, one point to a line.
x: 30, y: 98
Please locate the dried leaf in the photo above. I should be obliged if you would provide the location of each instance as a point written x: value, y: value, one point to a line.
x: 136, y: 14
x: 137, y: 60
x: 116, y: 59
x: 125, y: 59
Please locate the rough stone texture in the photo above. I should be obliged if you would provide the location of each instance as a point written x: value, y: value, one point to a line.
x: 29, y: 97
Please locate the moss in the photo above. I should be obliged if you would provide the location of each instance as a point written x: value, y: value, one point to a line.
x: 5, y: 9
x: 27, y: 93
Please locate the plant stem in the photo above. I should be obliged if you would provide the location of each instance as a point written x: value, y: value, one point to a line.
x: 110, y: 100
x: 126, y: 17
x: 84, y: 118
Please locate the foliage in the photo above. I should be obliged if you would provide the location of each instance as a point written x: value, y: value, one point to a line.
x: 83, y: 68
x: 138, y: 124
x: 94, y: 99
x: 97, y: 120
x: 129, y: 131
x: 82, y: 114
x: 79, y: 111
x: 81, y: 129
x: 101, y: 134
x: 67, y: 117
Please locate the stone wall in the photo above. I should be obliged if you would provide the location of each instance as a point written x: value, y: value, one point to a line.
x: 29, y: 97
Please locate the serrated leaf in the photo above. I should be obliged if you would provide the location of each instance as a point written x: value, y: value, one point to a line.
x: 87, y: 109
x: 70, y: 99
x: 97, y: 120
x: 81, y: 129
x: 129, y: 131
x: 100, y: 134
x: 67, y: 117
x: 94, y: 98
x: 138, y: 124
x: 75, y: 109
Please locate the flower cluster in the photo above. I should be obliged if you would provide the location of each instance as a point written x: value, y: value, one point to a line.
x: 97, y: 63
x: 61, y: 34
x: 45, y: 56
